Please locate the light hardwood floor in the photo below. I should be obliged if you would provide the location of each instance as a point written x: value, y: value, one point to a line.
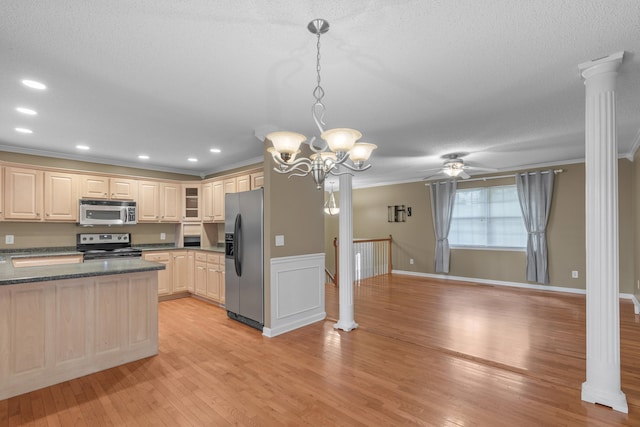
x: 427, y: 352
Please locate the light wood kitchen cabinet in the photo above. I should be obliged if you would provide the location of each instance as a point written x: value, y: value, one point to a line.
x: 148, y: 206
x: 158, y: 201
x: 23, y: 193
x: 257, y: 180
x: 243, y: 183
x: 191, y: 202
x: 191, y: 270
x: 170, y: 206
x: 218, y: 200
x: 39, y: 261
x: 61, y: 196
x: 180, y: 271
x: 215, y: 279
x: 103, y: 187
x: 230, y: 185
x: 209, y: 276
x: 165, y: 277
x: 1, y: 193
x: 207, y: 202
x: 200, y: 274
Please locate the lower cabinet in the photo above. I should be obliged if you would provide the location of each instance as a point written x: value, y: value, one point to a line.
x: 165, y: 277
x: 198, y: 272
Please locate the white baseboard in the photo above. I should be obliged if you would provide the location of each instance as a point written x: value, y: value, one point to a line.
x: 297, y: 293
x: 632, y: 297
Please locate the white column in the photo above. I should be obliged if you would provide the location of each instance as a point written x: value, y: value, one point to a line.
x: 346, y: 321
x: 601, y: 185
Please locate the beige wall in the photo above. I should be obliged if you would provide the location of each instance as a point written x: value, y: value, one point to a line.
x: 91, y: 167
x: 292, y: 208
x: 565, y: 231
x: 47, y: 234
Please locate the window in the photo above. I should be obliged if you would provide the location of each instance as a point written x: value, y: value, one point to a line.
x: 487, y: 217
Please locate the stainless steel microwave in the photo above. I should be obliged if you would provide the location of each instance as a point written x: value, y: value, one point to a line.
x: 107, y: 212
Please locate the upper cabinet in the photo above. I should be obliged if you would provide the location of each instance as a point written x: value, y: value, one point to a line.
x: 219, y: 188
x: 243, y: 183
x: 61, y: 196
x: 158, y: 201
x: 1, y: 193
x: 102, y: 187
x: 23, y: 193
x: 191, y: 202
x: 257, y: 180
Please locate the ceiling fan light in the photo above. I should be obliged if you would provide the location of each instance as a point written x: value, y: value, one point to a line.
x: 341, y: 140
x: 452, y: 171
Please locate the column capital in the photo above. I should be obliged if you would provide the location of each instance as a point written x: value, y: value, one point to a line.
x: 602, y: 65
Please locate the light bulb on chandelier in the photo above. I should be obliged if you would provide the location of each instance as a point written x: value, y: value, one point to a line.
x: 338, y: 146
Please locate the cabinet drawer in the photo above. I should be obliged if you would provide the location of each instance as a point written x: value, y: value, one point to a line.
x: 214, y: 259
x: 158, y: 257
x: 201, y: 257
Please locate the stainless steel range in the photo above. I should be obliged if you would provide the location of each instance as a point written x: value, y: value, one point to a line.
x: 100, y: 246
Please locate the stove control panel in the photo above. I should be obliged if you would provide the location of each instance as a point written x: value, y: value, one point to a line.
x: 100, y: 238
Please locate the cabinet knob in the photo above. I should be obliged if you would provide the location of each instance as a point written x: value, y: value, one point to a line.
x: 47, y: 214
x: 37, y: 213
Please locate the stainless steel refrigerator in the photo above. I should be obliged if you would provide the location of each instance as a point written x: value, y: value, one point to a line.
x: 244, y: 281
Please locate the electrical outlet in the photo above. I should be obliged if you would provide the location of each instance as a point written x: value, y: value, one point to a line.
x: 280, y: 240
x: 8, y: 239
x: 411, y: 261
x: 574, y: 274
x: 163, y: 236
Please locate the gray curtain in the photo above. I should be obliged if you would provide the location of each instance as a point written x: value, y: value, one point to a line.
x: 534, y: 192
x: 442, y: 196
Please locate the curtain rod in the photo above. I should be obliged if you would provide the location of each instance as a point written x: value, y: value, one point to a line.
x: 555, y: 171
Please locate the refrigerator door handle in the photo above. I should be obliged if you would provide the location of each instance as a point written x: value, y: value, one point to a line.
x: 237, y: 238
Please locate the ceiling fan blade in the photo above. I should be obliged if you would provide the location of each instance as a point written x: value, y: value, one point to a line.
x: 478, y: 168
x: 463, y: 175
x: 431, y: 176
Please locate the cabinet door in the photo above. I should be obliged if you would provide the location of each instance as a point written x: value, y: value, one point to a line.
x: 207, y: 202
x: 165, y: 277
x: 1, y: 193
x: 170, y: 202
x: 94, y: 187
x: 123, y: 189
x: 191, y: 271
x: 257, y: 180
x: 148, y: 201
x: 200, y: 278
x: 243, y: 183
x: 180, y: 271
x: 23, y: 193
x: 213, y: 282
x: 218, y: 200
x: 60, y: 197
x: 191, y: 203
x: 230, y: 186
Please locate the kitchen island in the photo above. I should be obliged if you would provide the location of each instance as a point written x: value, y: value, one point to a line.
x: 60, y: 322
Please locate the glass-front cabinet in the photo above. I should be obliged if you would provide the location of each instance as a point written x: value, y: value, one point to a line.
x: 192, y: 204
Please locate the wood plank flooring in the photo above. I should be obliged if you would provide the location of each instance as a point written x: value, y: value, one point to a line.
x: 426, y: 352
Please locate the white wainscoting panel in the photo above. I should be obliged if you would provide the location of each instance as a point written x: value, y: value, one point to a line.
x: 297, y: 293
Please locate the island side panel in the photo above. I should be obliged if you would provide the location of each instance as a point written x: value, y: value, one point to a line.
x: 55, y: 331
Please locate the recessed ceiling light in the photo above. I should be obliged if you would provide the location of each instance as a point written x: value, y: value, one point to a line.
x: 27, y: 111
x: 192, y: 159
x: 82, y: 147
x: 34, y: 84
x: 215, y: 150
x: 143, y: 157
x: 24, y: 130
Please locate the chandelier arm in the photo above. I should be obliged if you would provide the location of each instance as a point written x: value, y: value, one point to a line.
x: 303, y: 167
x: 339, y: 173
x: 318, y: 118
x: 355, y: 169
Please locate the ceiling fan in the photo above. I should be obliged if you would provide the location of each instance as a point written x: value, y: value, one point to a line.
x: 454, y: 167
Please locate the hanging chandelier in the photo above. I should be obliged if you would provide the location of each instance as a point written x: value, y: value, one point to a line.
x: 337, y: 146
x: 330, y: 207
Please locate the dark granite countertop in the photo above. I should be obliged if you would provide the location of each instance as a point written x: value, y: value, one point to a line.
x: 10, y: 275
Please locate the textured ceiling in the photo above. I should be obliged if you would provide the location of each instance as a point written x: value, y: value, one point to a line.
x: 497, y: 80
